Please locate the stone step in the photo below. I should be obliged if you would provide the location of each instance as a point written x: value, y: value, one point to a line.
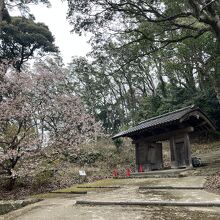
x: 159, y: 173
x: 71, y: 192
x: 172, y: 187
x: 149, y: 203
x: 99, y: 187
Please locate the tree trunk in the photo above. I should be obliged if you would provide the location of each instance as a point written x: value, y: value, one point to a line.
x: 217, y: 75
x: 11, y: 183
x: 2, y: 8
x: 11, y: 180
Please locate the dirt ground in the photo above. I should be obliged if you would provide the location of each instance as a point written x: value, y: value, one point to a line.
x: 64, y: 207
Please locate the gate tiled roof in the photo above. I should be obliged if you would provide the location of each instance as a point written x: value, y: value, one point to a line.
x: 160, y: 120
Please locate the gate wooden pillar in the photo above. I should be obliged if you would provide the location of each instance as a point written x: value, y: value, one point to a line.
x: 137, y: 156
x: 173, y: 155
x: 188, y: 158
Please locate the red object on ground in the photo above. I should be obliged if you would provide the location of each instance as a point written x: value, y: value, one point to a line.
x: 128, y: 172
x: 115, y: 173
x: 141, y: 169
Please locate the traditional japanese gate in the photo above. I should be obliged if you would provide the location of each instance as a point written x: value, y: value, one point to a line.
x: 174, y: 126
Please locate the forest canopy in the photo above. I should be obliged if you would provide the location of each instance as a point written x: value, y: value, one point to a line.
x: 148, y: 57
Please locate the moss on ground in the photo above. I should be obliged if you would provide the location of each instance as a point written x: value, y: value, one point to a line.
x: 104, y: 182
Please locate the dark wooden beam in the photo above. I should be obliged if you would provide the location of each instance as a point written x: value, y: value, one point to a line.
x: 165, y: 136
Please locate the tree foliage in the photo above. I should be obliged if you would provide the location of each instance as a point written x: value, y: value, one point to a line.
x: 139, y: 28
x: 150, y: 20
x: 22, y: 5
x: 38, y: 110
x: 123, y: 91
x: 22, y: 38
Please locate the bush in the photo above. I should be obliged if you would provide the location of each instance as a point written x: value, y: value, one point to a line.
x: 42, y: 179
x: 84, y: 157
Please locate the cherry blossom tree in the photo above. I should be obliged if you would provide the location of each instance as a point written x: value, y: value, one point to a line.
x: 60, y: 111
x: 17, y: 132
x: 40, y: 104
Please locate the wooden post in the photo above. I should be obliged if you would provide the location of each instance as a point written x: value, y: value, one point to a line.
x: 173, y: 153
x: 137, y: 156
x: 188, y: 158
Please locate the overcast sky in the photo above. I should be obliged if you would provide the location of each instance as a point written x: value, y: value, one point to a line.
x: 55, y: 18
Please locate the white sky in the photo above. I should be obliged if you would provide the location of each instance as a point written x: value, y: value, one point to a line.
x: 70, y: 44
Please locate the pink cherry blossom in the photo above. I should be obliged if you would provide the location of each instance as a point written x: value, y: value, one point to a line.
x: 38, y: 109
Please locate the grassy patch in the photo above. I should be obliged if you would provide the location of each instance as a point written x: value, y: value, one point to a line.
x: 104, y: 182
x: 53, y: 195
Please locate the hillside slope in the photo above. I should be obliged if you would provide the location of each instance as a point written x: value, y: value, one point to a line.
x: 53, y: 170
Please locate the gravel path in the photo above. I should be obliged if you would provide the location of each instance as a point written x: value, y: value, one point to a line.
x: 66, y: 209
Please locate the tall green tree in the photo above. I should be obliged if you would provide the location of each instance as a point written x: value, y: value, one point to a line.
x: 22, y: 5
x: 151, y: 25
x: 23, y: 38
x: 133, y: 88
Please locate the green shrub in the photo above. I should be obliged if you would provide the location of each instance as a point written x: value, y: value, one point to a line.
x: 43, y: 178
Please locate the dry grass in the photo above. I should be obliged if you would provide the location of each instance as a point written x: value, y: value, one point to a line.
x: 203, y: 148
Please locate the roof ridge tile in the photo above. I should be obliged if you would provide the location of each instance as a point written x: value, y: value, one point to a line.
x: 168, y: 113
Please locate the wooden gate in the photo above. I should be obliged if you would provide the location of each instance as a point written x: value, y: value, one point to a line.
x: 180, y: 154
x: 149, y: 156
